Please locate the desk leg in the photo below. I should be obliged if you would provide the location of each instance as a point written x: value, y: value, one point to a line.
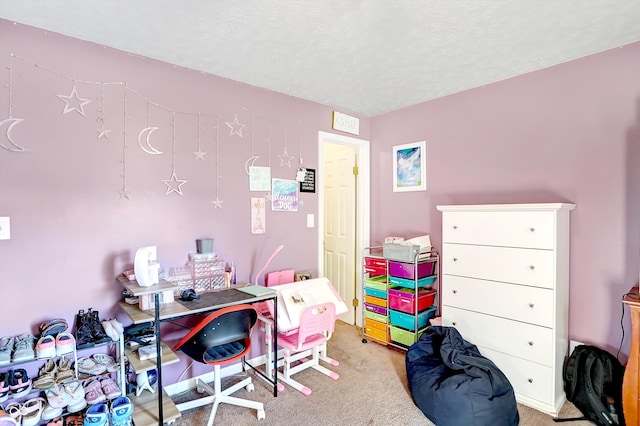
x: 275, y: 346
x: 158, y: 358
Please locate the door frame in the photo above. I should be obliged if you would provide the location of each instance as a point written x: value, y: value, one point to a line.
x: 362, y: 205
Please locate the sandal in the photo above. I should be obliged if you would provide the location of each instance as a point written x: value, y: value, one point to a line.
x: 32, y: 411
x: 88, y: 366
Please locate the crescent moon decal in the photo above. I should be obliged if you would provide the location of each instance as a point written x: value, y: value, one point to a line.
x: 251, y: 160
x: 12, y: 122
x: 146, y: 145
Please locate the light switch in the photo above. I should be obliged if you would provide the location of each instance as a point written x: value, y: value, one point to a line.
x: 310, y: 220
x: 5, y: 229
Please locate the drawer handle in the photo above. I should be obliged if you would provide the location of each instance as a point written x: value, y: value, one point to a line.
x: 531, y: 305
x: 455, y: 259
x: 532, y: 267
x: 455, y: 226
x: 455, y: 291
x: 530, y: 380
x: 530, y: 343
x: 454, y: 323
x: 532, y: 229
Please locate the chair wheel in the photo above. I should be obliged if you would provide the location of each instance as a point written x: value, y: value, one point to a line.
x: 170, y: 422
x: 249, y: 387
x: 261, y: 415
x: 364, y: 340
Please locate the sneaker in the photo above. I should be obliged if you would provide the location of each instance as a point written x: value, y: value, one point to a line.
x: 23, y: 350
x: 93, y: 392
x: 97, y: 415
x: 19, y: 383
x: 65, y: 343
x: 46, y: 375
x: 108, y: 328
x: 4, y: 386
x: 121, y: 411
x: 46, y: 347
x: 51, y: 413
x: 55, y: 396
x: 6, y: 347
x: 66, y: 371
x: 88, y: 366
x: 110, y: 388
x: 58, y: 421
x: 74, y: 394
x: 73, y: 420
x: 106, y: 360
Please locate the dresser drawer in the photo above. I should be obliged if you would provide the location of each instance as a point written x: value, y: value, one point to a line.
x: 527, y: 378
x: 500, y: 228
x: 532, y: 305
x: 521, y: 266
x: 526, y: 341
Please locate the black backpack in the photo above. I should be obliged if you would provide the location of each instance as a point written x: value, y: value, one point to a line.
x: 593, y: 383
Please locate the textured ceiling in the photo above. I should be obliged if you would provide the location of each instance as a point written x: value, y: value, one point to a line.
x: 361, y: 56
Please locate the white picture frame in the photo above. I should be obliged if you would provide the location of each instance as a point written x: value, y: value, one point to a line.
x: 410, y: 167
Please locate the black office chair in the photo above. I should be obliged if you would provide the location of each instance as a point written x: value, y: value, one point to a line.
x: 221, y: 338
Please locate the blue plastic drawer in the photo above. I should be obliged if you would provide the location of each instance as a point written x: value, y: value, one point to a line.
x: 407, y: 283
x: 407, y: 321
x: 375, y: 292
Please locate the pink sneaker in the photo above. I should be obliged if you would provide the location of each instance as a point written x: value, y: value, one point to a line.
x: 93, y: 392
x: 19, y: 383
x: 65, y: 343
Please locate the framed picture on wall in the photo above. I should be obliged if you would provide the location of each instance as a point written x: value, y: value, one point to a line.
x: 410, y: 167
x: 302, y: 276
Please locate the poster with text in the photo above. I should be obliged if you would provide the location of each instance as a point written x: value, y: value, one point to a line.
x: 259, y: 178
x: 284, y: 195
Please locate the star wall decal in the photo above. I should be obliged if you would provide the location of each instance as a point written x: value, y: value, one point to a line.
x: 217, y: 203
x: 102, y: 132
x: 235, y: 126
x: 124, y: 194
x: 199, y: 155
x: 174, y: 184
x: 285, y: 158
x: 73, y: 102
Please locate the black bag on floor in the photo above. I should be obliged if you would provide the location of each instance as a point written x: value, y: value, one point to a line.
x: 593, y: 383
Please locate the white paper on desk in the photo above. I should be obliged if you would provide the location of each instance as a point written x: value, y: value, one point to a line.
x: 424, y: 241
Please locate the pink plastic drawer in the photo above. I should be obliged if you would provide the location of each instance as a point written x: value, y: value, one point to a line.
x: 403, y: 299
x: 406, y: 270
x: 375, y: 309
x: 375, y: 266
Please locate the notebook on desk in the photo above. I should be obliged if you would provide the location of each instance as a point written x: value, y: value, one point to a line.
x: 256, y: 290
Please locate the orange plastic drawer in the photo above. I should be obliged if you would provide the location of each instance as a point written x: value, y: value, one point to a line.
x: 371, y: 331
x: 375, y: 301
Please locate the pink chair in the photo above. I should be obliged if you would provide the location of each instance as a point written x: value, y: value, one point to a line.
x: 317, y: 323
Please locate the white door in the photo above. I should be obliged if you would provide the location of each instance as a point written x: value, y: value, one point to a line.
x: 340, y: 222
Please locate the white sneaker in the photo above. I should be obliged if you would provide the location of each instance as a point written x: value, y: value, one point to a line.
x: 23, y: 350
x: 46, y: 347
x: 6, y: 347
x: 111, y: 332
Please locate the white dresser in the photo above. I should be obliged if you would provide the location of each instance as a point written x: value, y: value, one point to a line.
x: 505, y: 287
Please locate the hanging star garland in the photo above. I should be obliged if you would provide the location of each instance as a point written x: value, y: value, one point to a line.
x: 199, y: 154
x: 285, y: 158
x: 124, y: 192
x: 235, y: 126
x: 102, y: 132
x: 11, y: 122
x: 217, y: 202
x: 174, y: 184
x: 73, y: 102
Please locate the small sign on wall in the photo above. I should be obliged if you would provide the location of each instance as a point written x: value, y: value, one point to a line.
x: 346, y: 123
x: 309, y: 182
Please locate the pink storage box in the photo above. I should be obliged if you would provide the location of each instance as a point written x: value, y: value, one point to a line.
x: 375, y: 309
x: 403, y: 299
x: 406, y: 270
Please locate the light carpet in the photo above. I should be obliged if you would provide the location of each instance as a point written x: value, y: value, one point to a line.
x: 372, y: 390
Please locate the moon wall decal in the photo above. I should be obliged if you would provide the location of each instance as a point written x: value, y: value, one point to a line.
x: 251, y: 160
x: 146, y: 145
x: 11, y: 123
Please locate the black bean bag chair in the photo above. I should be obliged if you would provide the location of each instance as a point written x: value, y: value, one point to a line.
x: 454, y: 385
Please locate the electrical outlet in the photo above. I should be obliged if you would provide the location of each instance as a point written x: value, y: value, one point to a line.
x: 5, y: 228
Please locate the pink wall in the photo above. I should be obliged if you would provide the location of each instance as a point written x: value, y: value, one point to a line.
x: 72, y: 233
x: 570, y: 133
